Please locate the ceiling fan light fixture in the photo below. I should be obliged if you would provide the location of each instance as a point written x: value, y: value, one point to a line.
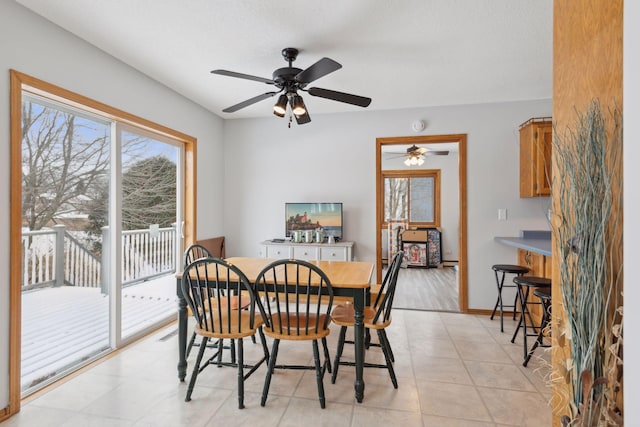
x: 414, y: 161
x: 297, y: 106
x: 280, y: 107
x: 288, y: 81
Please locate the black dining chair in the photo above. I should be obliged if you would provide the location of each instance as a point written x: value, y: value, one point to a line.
x: 206, y: 282
x: 377, y: 316
x: 299, y: 299
x: 195, y: 252
x: 191, y: 254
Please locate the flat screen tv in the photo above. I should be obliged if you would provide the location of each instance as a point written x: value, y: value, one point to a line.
x: 310, y: 216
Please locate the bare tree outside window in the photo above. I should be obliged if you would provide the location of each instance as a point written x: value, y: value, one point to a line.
x: 64, y: 157
x: 411, y: 197
x: 396, y: 198
x: 65, y: 172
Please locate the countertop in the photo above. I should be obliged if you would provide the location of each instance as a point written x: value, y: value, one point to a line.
x: 539, y: 246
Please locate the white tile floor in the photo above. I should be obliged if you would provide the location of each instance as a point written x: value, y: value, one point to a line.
x: 453, y: 370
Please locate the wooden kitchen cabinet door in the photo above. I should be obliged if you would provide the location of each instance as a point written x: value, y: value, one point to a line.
x: 536, y: 141
x: 536, y: 263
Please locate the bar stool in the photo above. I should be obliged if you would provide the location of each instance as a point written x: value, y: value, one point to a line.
x: 545, y: 299
x: 506, y: 269
x: 524, y: 284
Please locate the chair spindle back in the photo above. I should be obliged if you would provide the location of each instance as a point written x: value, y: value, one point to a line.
x: 206, y: 283
x: 291, y: 285
x: 384, y: 301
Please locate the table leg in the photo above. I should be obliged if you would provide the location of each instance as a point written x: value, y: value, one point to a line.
x: 358, y: 331
x: 182, y: 332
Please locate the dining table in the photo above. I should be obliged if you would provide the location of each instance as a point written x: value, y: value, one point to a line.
x: 348, y: 278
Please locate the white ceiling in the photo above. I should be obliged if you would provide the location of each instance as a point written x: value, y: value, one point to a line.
x: 401, y: 53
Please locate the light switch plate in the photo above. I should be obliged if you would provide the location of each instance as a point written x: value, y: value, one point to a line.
x: 502, y: 214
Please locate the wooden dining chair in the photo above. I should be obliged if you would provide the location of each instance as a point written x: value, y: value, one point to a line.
x: 377, y: 316
x: 191, y: 254
x: 289, y: 287
x: 206, y: 282
x: 195, y: 252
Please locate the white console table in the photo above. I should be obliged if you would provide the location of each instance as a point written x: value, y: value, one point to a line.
x: 341, y: 251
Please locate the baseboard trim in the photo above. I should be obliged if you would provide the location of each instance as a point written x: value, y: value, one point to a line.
x: 481, y: 311
x: 5, y: 413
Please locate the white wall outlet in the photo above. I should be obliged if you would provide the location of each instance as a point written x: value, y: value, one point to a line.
x: 502, y: 214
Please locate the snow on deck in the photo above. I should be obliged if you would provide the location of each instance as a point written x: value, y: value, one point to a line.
x: 66, y: 325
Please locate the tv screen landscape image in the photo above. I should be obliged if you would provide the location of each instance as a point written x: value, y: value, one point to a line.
x: 310, y: 216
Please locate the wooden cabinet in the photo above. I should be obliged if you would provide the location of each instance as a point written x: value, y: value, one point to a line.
x: 540, y: 266
x: 341, y: 251
x: 536, y: 141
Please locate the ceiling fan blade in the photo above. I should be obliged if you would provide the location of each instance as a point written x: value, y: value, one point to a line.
x: 243, y: 76
x: 303, y: 119
x: 348, y: 98
x: 317, y: 70
x: 436, y: 153
x: 248, y: 102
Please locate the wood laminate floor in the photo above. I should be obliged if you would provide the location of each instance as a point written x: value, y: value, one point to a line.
x: 427, y: 289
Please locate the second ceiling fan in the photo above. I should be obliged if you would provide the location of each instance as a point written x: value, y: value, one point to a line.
x: 289, y: 80
x: 415, y: 155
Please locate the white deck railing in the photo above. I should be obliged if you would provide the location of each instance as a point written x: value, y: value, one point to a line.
x: 53, y: 257
x: 147, y: 254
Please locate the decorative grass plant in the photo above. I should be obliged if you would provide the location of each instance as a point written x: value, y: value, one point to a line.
x: 587, y: 186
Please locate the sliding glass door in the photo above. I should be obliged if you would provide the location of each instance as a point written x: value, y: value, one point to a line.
x: 150, y: 231
x: 100, y: 236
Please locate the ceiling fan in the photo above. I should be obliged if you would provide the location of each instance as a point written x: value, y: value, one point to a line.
x: 289, y: 80
x: 415, y: 155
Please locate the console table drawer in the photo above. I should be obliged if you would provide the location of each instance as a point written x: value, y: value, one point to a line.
x: 334, y: 254
x: 276, y: 251
x: 305, y: 252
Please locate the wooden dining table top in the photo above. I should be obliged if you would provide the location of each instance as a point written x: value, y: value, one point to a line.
x: 341, y: 274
